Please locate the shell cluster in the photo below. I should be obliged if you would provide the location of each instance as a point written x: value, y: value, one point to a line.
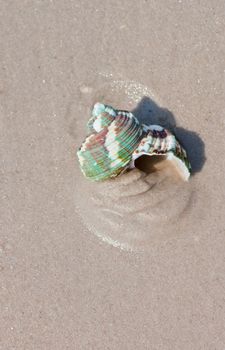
x: 116, y: 139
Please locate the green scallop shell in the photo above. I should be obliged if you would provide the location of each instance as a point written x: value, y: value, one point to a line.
x: 108, y: 150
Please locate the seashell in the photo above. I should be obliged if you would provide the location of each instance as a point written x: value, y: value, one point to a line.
x: 161, y: 142
x: 108, y: 150
x: 117, y: 140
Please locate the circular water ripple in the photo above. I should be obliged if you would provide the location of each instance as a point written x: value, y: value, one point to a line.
x: 136, y: 209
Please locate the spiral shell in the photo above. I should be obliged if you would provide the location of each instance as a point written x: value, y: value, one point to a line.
x: 117, y: 139
x: 160, y: 141
x: 108, y: 150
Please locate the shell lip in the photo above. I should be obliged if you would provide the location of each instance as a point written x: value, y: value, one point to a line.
x: 183, y: 170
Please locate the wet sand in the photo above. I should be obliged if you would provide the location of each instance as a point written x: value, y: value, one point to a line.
x: 72, y: 276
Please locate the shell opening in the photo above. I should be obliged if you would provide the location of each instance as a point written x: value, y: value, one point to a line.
x: 149, y: 164
x: 169, y: 164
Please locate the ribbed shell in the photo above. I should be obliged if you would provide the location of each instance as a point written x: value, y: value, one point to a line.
x: 108, y: 150
x: 160, y: 141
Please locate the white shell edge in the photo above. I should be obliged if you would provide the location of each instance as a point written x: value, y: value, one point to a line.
x: 183, y: 170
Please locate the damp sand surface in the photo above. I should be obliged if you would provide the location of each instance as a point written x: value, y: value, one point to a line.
x: 133, y: 263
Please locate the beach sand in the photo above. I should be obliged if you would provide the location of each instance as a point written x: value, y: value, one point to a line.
x: 73, y: 277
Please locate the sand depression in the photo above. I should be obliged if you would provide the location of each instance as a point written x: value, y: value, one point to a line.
x: 144, y: 206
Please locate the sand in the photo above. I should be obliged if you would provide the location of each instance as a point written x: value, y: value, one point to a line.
x: 66, y: 283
